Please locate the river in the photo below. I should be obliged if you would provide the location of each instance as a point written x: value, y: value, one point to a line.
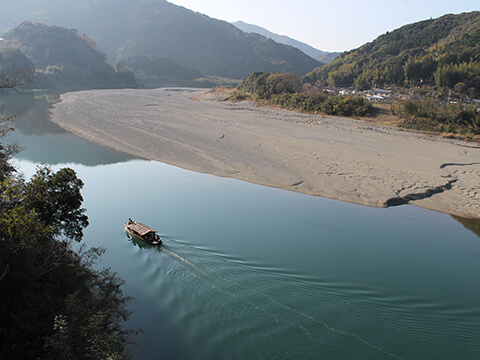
x: 250, y: 272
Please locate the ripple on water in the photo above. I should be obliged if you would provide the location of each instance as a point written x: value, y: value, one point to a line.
x: 230, y: 305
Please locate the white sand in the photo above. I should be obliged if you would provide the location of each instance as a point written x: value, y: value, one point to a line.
x: 338, y: 158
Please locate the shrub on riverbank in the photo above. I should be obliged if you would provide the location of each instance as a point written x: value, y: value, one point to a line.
x: 287, y: 91
x: 445, y: 118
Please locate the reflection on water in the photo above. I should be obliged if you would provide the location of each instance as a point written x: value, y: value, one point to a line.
x: 141, y: 244
x: 32, y: 111
x: 43, y: 140
x: 471, y: 224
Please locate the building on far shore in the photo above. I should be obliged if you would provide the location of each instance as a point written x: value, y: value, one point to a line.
x: 347, y: 92
x: 375, y: 98
x: 475, y: 102
x: 378, y: 95
x: 380, y: 92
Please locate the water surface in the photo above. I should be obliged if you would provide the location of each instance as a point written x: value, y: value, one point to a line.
x: 249, y: 272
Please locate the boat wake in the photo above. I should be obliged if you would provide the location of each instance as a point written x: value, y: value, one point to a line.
x: 230, y: 283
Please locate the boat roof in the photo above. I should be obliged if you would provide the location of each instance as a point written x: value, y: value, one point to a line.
x: 140, y: 228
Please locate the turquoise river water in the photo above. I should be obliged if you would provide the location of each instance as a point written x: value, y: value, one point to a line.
x: 250, y: 272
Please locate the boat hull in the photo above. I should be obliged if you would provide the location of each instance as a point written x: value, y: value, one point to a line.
x: 132, y: 234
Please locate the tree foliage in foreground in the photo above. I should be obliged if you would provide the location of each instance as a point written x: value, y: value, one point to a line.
x: 53, y: 304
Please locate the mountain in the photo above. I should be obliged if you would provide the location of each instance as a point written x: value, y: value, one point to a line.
x: 153, y: 72
x: 124, y: 28
x: 444, y: 52
x: 159, y: 67
x: 62, y: 57
x: 322, y: 56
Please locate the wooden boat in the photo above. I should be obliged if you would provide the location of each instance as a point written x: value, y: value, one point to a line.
x: 142, y: 232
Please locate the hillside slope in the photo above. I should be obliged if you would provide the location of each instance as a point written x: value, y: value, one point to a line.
x: 443, y: 52
x: 123, y: 28
x: 322, y: 56
x: 63, y: 57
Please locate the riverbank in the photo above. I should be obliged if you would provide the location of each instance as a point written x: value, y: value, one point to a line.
x: 340, y: 158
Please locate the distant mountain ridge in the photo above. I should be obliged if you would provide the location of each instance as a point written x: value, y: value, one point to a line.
x: 322, y: 56
x: 124, y: 28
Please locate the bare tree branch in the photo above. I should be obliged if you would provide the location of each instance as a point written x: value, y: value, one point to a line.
x: 15, y: 79
x: 4, y: 273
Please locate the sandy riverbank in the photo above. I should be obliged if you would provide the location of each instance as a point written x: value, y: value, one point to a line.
x: 338, y: 158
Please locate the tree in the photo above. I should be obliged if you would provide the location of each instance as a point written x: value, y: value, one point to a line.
x: 7, y: 151
x: 56, y: 198
x: 256, y: 83
x: 460, y: 87
x: 420, y: 70
x: 279, y: 83
x: 53, y: 304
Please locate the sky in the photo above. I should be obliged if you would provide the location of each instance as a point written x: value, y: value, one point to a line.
x: 329, y: 25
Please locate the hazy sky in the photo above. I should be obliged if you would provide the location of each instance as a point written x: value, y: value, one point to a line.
x: 331, y: 25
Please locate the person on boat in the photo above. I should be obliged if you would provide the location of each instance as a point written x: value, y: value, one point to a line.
x: 130, y: 221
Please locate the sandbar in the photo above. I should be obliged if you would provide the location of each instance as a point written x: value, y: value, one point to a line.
x: 340, y: 158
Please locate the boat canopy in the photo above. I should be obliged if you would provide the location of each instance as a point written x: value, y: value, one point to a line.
x: 140, y: 228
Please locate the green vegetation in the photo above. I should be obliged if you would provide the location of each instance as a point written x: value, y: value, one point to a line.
x: 445, y: 118
x: 61, y: 58
x: 287, y: 90
x: 54, y: 305
x: 213, y: 81
x: 440, y: 52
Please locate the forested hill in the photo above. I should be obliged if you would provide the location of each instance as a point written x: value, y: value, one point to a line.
x: 123, y: 28
x: 443, y: 52
x: 215, y: 47
x: 62, y: 57
x: 49, y: 45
